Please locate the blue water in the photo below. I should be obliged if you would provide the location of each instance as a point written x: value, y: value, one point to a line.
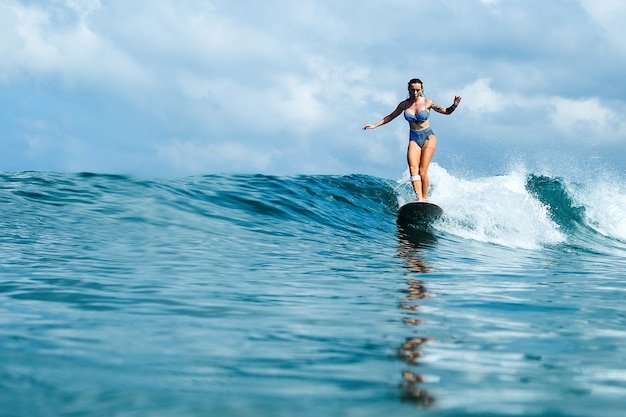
x: 301, y: 296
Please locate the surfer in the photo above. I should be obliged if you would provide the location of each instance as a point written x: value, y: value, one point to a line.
x: 422, y: 140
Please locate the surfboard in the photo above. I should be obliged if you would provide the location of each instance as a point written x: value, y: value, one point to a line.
x: 419, y: 213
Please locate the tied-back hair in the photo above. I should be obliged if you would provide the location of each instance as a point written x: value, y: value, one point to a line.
x: 416, y: 80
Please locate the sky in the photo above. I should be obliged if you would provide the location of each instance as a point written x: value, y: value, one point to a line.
x: 175, y: 88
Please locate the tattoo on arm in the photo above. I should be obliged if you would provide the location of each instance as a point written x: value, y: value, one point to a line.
x: 450, y: 109
x: 436, y: 107
x: 444, y: 110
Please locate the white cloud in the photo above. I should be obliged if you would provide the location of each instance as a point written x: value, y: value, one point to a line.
x: 316, y: 98
x: 609, y: 16
x: 40, y: 46
x: 189, y: 157
x: 479, y: 97
x: 584, y: 115
x: 574, y: 119
x: 303, y: 77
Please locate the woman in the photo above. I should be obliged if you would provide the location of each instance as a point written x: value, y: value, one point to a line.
x: 422, y: 140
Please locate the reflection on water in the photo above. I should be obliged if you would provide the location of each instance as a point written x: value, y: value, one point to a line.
x: 410, y: 243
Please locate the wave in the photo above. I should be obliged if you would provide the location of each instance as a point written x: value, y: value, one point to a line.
x: 528, y: 210
x: 517, y: 210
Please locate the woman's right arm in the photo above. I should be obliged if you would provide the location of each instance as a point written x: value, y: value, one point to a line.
x: 387, y: 118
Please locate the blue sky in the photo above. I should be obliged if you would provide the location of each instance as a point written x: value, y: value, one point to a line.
x: 172, y: 88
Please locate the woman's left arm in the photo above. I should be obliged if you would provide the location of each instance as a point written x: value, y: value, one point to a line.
x: 445, y: 110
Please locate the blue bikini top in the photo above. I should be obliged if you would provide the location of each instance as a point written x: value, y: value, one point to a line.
x: 420, y: 117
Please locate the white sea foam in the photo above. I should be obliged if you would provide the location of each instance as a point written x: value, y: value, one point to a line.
x: 605, y: 206
x: 495, y: 209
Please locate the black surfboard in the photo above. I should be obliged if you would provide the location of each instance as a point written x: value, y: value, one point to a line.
x: 419, y: 213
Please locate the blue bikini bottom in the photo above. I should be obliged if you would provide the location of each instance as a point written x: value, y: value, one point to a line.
x: 420, y: 136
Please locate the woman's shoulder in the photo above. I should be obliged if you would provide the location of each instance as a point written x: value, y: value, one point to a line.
x: 404, y: 104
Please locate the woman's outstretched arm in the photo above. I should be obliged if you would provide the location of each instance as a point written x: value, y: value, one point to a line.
x: 447, y: 110
x: 387, y: 118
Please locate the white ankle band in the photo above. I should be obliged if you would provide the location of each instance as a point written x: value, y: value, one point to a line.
x: 415, y: 178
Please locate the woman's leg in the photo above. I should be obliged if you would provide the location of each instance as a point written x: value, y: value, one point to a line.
x: 413, y: 156
x: 426, y: 155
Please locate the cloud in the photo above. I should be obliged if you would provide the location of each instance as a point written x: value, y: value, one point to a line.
x: 573, y: 114
x: 277, y: 81
x: 198, y: 158
x: 480, y: 97
x: 53, y: 44
x: 608, y: 15
x: 566, y: 115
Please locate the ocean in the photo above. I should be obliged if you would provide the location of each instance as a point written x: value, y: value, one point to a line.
x: 256, y: 295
